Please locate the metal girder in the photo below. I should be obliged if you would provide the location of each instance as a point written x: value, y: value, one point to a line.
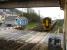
x: 28, y: 3
x: 23, y: 0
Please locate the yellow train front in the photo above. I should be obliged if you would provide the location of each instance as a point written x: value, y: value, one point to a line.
x: 46, y: 23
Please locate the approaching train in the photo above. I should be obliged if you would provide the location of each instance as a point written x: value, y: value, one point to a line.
x: 46, y: 23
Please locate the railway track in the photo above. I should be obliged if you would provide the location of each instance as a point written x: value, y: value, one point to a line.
x: 21, y: 40
x: 40, y: 45
x: 32, y: 42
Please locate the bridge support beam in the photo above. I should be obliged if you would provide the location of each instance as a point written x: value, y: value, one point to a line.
x: 65, y: 25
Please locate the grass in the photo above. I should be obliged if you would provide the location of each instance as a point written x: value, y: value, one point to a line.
x: 31, y: 25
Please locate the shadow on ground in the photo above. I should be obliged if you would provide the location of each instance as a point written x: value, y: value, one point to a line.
x: 13, y: 45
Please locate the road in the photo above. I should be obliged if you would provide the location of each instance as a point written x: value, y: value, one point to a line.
x: 11, y: 39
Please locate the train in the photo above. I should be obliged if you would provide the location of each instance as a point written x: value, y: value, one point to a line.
x: 46, y: 23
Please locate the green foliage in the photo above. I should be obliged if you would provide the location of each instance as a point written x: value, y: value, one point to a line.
x: 32, y: 16
x: 58, y: 25
x: 15, y: 10
x: 31, y: 25
x: 60, y: 22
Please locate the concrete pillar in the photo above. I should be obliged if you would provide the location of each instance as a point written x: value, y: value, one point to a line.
x: 65, y: 25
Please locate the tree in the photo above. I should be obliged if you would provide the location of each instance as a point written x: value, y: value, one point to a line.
x: 32, y: 16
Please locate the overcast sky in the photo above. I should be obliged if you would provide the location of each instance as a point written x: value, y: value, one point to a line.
x: 52, y: 12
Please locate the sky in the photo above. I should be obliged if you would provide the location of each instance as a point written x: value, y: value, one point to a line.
x: 52, y: 12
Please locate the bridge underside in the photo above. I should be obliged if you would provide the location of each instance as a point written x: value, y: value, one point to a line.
x: 29, y: 3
